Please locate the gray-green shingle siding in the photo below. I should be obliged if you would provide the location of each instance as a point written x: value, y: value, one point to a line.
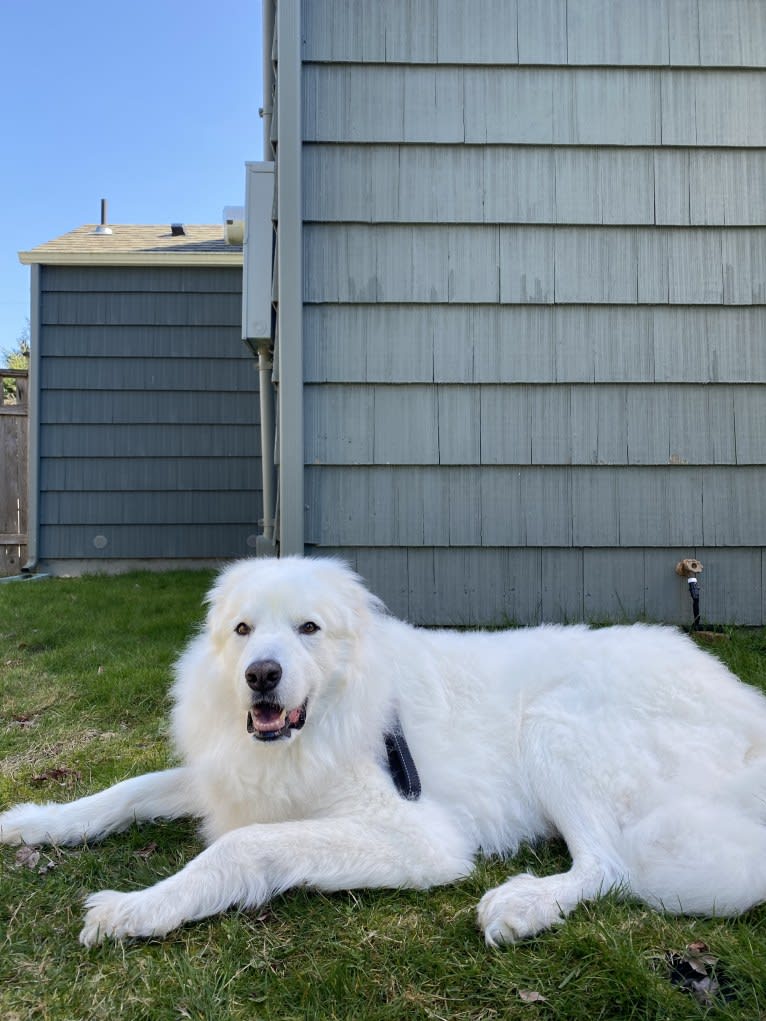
x: 535, y: 303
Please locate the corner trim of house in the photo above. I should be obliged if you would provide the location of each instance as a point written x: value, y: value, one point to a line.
x: 33, y: 424
x: 290, y: 279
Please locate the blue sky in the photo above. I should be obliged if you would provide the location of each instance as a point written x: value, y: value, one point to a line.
x: 151, y: 104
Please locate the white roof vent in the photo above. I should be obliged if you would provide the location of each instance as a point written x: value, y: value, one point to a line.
x: 233, y: 224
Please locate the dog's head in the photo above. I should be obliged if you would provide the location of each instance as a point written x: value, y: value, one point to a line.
x: 286, y: 630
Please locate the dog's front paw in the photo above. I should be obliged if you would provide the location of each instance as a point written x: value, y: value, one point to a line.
x: 520, y: 908
x: 25, y: 824
x: 113, y: 915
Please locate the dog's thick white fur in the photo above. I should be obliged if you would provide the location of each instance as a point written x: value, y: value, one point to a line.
x: 643, y: 752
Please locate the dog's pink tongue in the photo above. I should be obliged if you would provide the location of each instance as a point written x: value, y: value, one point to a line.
x: 266, y: 718
x: 294, y: 717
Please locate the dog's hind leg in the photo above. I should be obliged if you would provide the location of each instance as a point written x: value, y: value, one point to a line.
x: 698, y: 858
x: 526, y: 904
x: 164, y: 794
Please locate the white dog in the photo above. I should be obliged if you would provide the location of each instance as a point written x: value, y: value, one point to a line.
x: 328, y: 744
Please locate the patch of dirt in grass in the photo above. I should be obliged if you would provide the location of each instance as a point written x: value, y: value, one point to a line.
x: 48, y: 758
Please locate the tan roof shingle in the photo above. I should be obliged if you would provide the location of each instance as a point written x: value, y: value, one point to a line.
x: 137, y: 244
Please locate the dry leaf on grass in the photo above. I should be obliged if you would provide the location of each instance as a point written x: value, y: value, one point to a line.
x: 146, y: 852
x: 694, y: 971
x: 27, y: 857
x: 530, y: 996
x: 699, y: 957
x: 56, y: 775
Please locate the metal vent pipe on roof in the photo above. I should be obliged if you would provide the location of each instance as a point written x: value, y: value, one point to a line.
x: 102, y: 227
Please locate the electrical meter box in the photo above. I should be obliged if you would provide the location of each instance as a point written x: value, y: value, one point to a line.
x: 258, y: 248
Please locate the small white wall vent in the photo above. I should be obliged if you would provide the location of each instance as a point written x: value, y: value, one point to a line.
x: 233, y: 224
x: 258, y: 247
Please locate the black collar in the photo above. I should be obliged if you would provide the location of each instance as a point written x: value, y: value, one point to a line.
x: 400, y: 762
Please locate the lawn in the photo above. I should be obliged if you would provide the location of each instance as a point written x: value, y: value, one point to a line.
x: 84, y: 667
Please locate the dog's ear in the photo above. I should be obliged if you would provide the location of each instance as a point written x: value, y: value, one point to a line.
x: 353, y: 603
x: 221, y: 601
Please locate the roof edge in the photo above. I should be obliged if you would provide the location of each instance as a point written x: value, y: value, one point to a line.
x: 33, y: 258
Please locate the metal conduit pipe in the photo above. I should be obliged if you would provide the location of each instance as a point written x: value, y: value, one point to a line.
x: 265, y: 366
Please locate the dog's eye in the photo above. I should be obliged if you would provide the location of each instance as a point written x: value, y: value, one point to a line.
x: 242, y: 628
x: 309, y: 628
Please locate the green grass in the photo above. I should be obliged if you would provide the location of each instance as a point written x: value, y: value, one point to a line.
x: 84, y: 676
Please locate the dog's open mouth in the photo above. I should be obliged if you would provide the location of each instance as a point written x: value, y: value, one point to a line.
x: 268, y: 721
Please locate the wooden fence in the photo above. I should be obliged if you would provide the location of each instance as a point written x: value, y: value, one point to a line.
x: 13, y: 470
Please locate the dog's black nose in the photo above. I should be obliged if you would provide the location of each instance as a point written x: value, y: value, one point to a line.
x: 263, y: 675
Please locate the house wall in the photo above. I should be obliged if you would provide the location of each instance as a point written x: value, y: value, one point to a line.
x: 535, y: 304
x: 149, y: 433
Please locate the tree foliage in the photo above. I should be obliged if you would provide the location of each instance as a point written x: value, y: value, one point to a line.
x: 16, y: 357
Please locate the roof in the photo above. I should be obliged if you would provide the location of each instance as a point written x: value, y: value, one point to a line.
x: 140, y: 245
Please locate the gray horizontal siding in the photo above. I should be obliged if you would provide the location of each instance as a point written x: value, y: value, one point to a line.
x: 148, y: 407
x: 534, y: 184
x: 153, y: 376
x: 157, y: 407
x: 534, y: 425
x: 534, y: 344
x: 622, y: 32
x: 534, y: 306
x: 540, y: 265
x: 142, y: 439
x: 469, y: 586
x: 149, y: 474
x: 597, y: 507
x: 549, y: 106
x: 157, y: 542
x: 144, y: 279
x: 86, y: 340
x: 156, y: 309
x: 97, y: 507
